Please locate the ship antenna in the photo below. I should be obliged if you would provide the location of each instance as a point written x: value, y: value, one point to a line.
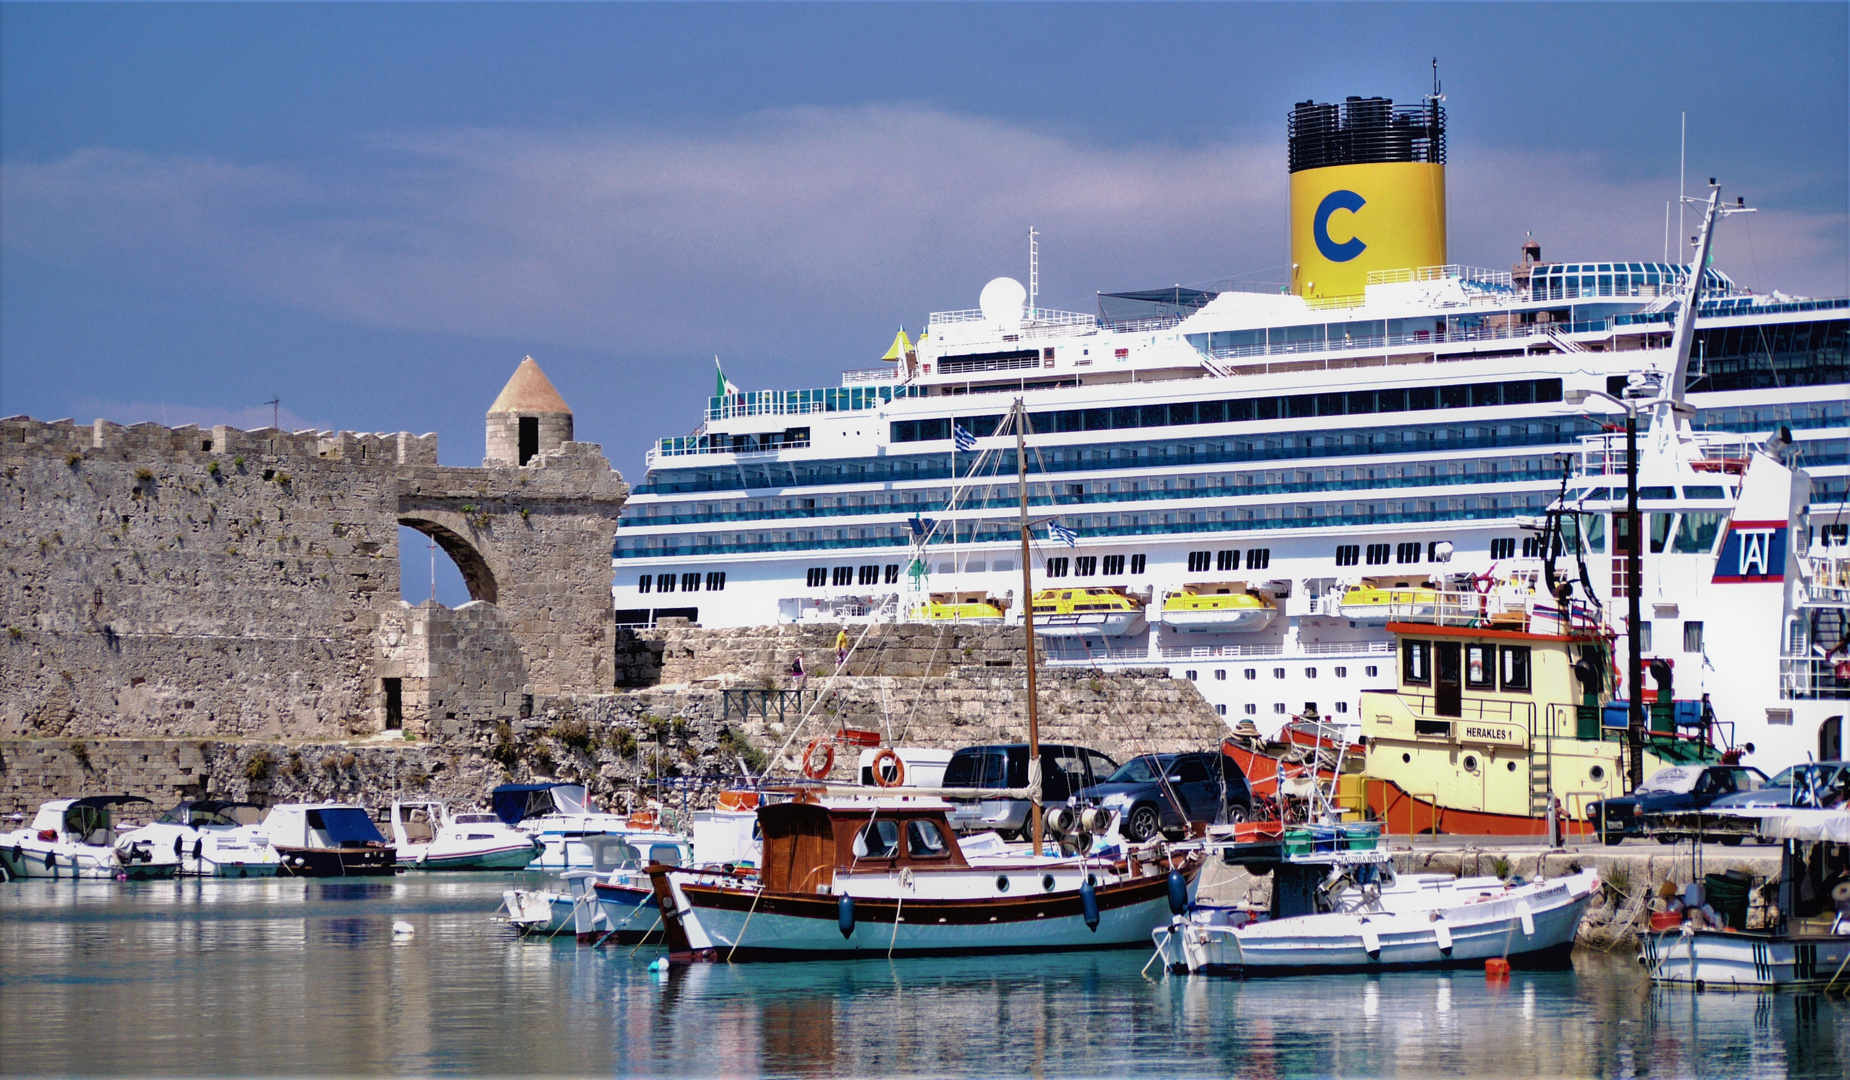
x: 1034, y: 270
x: 1436, y: 95
x: 1670, y: 396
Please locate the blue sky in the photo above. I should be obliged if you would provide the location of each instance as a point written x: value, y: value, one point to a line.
x: 373, y: 212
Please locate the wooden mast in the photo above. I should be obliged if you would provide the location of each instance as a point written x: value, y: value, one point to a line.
x: 1027, y: 621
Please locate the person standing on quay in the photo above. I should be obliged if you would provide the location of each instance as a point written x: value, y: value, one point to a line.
x: 841, y: 646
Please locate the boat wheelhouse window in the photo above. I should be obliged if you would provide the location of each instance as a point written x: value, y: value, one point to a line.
x: 878, y: 839
x: 1515, y: 667
x: 1660, y: 531
x: 666, y: 854
x: 1656, y: 493
x: 1480, y: 672
x: 1416, y: 662
x: 924, y: 840
x: 1692, y: 636
x: 1696, y: 532
x: 1704, y: 491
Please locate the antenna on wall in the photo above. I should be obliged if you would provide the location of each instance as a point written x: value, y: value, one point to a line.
x: 1034, y: 270
x: 276, y: 405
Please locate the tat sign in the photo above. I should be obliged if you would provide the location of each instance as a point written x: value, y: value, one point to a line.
x: 1752, y: 551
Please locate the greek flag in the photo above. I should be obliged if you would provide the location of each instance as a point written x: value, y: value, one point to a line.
x: 965, y: 440
x: 1063, y: 534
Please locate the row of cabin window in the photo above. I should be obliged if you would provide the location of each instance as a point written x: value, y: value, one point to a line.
x: 1485, y: 666
x: 820, y: 577
x: 1090, y: 565
x: 1342, y: 672
x: 690, y: 582
x: 1240, y: 410
x: 1228, y: 559
x: 1278, y: 707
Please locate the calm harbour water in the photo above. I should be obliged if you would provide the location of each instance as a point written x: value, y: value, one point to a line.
x: 301, y: 977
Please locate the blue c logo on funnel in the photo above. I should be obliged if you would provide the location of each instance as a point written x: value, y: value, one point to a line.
x: 1320, y: 226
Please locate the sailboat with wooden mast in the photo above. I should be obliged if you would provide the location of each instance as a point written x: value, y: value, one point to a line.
x: 847, y: 876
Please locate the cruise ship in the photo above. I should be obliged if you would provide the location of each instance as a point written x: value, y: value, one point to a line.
x: 1238, y: 484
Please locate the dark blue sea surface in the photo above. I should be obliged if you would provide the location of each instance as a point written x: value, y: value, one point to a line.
x: 306, y: 977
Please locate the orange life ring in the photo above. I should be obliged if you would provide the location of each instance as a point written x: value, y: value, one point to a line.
x: 738, y: 800
x: 899, y: 768
x: 811, y: 768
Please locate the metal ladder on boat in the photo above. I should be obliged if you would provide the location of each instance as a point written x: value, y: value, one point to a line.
x: 1541, y: 768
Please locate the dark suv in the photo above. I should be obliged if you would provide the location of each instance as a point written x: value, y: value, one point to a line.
x: 1168, y: 792
x: 1064, y: 770
x: 1672, y: 789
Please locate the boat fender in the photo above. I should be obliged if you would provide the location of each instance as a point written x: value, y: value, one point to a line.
x: 176, y: 847
x: 1528, y: 918
x: 1088, y: 904
x: 844, y: 914
x: 1178, y: 892
x: 1371, y: 941
x: 1443, y: 933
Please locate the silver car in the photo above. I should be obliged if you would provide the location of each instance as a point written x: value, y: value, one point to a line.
x: 1064, y: 770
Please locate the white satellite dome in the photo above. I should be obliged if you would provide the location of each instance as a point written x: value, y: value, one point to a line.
x: 1004, y: 301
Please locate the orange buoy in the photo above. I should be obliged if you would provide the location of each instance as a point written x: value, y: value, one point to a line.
x: 1496, y: 968
x: 881, y: 760
x: 817, y: 769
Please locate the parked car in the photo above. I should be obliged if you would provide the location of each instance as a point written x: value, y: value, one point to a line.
x: 1671, y: 789
x: 1809, y: 784
x: 1169, y: 792
x: 1064, y: 770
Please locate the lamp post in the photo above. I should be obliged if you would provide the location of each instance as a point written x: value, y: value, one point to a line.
x: 1634, y: 570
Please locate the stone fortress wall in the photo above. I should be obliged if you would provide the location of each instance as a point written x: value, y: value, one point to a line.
x: 191, y: 611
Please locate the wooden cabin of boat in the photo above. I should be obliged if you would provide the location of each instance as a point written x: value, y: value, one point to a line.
x: 806, y: 843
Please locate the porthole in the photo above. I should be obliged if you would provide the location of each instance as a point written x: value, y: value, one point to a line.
x: 1512, y: 766
x: 1406, y: 759
x: 1596, y: 773
x: 1002, y: 883
x: 1470, y: 762
x: 1046, y: 882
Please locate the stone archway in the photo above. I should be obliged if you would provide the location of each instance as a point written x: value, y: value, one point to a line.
x: 475, y: 571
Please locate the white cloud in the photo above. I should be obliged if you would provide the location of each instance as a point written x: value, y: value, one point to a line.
x: 779, y: 231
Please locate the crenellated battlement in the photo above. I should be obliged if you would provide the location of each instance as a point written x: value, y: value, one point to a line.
x: 190, y: 443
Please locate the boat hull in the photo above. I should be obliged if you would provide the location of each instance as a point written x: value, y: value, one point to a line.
x: 1110, y: 624
x: 1534, y: 929
x: 208, y: 867
x: 730, y: 924
x: 503, y: 857
x: 1714, y: 959
x: 1400, y: 812
x: 339, y: 862
x: 70, y: 862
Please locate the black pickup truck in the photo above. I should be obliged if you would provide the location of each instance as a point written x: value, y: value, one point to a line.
x: 1673, y: 789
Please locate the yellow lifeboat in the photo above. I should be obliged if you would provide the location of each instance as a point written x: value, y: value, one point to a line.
x: 1381, y: 599
x: 1075, y: 612
x: 1223, y: 607
x: 962, y: 607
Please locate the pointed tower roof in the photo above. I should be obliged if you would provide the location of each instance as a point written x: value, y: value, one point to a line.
x: 529, y: 391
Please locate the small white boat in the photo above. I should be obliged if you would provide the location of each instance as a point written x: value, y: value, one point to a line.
x: 429, y: 837
x: 610, y: 901
x: 76, y: 838
x: 1801, y: 952
x: 328, y: 840
x: 212, y: 838
x: 1430, y: 921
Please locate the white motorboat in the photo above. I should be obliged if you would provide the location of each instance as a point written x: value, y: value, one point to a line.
x: 570, y: 827
x: 76, y: 838
x: 613, y: 900
x: 1386, y: 922
x: 212, y: 838
x: 429, y: 837
x: 328, y: 840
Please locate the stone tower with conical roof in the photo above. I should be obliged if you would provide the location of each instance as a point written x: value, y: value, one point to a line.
x: 528, y: 418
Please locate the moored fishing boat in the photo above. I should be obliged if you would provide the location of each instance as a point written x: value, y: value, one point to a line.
x: 429, y: 837
x: 886, y: 878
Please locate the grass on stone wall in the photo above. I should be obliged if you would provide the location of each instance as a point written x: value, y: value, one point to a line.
x: 259, y: 766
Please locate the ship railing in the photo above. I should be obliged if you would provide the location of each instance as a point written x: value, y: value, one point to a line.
x: 1542, y: 333
x: 888, y: 374
x: 1813, y: 678
x: 1716, y: 452
x: 1097, y: 655
x: 1032, y: 318
x: 1428, y: 722
x: 1827, y: 579
x: 1474, y: 274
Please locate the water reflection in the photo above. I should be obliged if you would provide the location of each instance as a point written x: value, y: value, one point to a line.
x: 295, y: 976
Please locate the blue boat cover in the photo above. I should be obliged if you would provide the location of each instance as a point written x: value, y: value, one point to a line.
x: 514, y: 803
x: 345, y: 825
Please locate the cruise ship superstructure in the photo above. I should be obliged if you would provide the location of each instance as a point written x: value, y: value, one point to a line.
x: 1383, y: 421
